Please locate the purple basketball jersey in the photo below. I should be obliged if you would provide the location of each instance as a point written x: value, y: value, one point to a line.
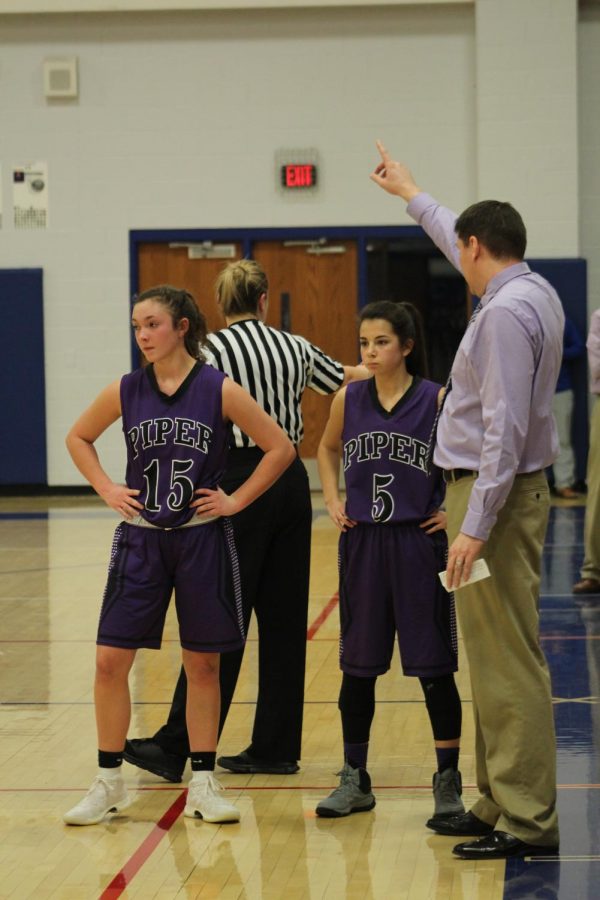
x: 176, y: 443
x: 384, y: 454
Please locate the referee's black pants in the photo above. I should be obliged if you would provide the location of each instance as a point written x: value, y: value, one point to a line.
x: 272, y: 537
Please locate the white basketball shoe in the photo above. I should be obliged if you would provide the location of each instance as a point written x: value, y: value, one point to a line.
x: 205, y: 800
x: 106, y: 795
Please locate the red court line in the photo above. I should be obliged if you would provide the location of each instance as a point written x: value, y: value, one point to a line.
x: 282, y: 787
x: 123, y: 878
x: 311, y: 631
x: 134, y: 864
x: 322, y: 617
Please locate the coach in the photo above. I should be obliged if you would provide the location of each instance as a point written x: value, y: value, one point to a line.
x: 495, y: 436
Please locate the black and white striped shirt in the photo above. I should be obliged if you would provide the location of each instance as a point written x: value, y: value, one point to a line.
x: 275, y: 367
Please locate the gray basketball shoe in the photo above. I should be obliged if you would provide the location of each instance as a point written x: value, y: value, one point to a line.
x: 447, y: 790
x: 352, y: 795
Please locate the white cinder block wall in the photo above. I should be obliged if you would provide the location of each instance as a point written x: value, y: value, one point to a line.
x: 180, y: 114
x: 527, y: 116
x: 588, y: 70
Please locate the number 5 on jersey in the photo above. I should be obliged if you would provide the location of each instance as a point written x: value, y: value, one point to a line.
x: 383, y: 502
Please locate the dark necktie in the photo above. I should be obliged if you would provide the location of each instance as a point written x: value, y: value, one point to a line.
x: 447, y: 389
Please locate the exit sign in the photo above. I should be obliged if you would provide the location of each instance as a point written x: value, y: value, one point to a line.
x: 299, y: 175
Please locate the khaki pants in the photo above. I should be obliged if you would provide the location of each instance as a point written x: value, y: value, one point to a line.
x: 564, y: 466
x: 510, y: 682
x: 591, y: 562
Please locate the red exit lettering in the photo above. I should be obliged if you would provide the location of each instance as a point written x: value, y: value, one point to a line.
x: 299, y: 176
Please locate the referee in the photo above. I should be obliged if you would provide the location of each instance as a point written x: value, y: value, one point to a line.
x: 272, y: 535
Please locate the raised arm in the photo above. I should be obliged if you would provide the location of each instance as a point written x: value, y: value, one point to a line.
x: 394, y: 177
x: 241, y: 409
x: 80, y: 440
x: 435, y: 220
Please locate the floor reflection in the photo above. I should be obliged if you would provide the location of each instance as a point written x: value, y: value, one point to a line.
x: 52, y: 572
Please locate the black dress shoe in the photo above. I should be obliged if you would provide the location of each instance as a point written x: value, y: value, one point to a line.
x: 457, y: 826
x: 586, y: 586
x: 245, y: 764
x: 146, y: 754
x: 500, y: 845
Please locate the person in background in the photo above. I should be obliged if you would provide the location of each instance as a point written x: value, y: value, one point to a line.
x: 562, y: 407
x: 272, y: 536
x: 590, y: 571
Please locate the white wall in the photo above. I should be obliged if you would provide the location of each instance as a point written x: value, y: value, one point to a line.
x: 61, y: 6
x: 589, y: 147
x: 178, y: 121
x: 527, y: 116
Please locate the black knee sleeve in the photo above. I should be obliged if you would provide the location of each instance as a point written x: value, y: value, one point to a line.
x: 444, y: 707
x: 357, y: 706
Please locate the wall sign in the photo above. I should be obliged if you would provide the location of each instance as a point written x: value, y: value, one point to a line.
x: 295, y: 174
x: 299, y: 175
x: 30, y: 195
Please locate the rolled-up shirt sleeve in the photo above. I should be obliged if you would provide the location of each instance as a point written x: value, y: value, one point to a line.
x: 503, y: 360
x: 438, y: 222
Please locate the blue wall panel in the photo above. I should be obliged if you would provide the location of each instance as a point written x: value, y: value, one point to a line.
x: 569, y: 278
x: 22, y: 383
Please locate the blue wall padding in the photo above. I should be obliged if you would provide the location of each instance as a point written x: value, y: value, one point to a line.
x: 22, y: 382
x: 569, y: 278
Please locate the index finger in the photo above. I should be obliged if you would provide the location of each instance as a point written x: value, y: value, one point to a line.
x: 382, y: 151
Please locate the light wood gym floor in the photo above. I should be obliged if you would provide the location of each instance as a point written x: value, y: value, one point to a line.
x: 53, y: 558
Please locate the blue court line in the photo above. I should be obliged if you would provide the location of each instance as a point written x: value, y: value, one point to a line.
x: 568, y: 633
x: 24, y: 515
x: 65, y: 514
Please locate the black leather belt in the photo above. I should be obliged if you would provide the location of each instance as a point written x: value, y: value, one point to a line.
x: 451, y: 475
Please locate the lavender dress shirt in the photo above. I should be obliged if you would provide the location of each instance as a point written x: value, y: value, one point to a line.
x: 497, y: 419
x: 593, y: 348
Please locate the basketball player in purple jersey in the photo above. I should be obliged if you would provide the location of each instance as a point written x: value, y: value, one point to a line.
x: 392, y: 546
x: 176, y: 535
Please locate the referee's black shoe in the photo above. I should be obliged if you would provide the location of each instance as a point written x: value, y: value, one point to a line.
x: 458, y: 826
x: 246, y: 764
x: 146, y: 754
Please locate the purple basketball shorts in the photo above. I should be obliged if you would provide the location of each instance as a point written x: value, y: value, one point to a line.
x: 389, y: 586
x: 198, y: 563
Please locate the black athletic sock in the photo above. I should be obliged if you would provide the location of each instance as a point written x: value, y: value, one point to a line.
x: 107, y: 759
x: 447, y: 757
x: 203, y: 760
x: 364, y: 781
x: 356, y: 754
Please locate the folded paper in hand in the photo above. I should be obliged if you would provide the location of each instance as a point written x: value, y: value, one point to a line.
x: 479, y: 570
